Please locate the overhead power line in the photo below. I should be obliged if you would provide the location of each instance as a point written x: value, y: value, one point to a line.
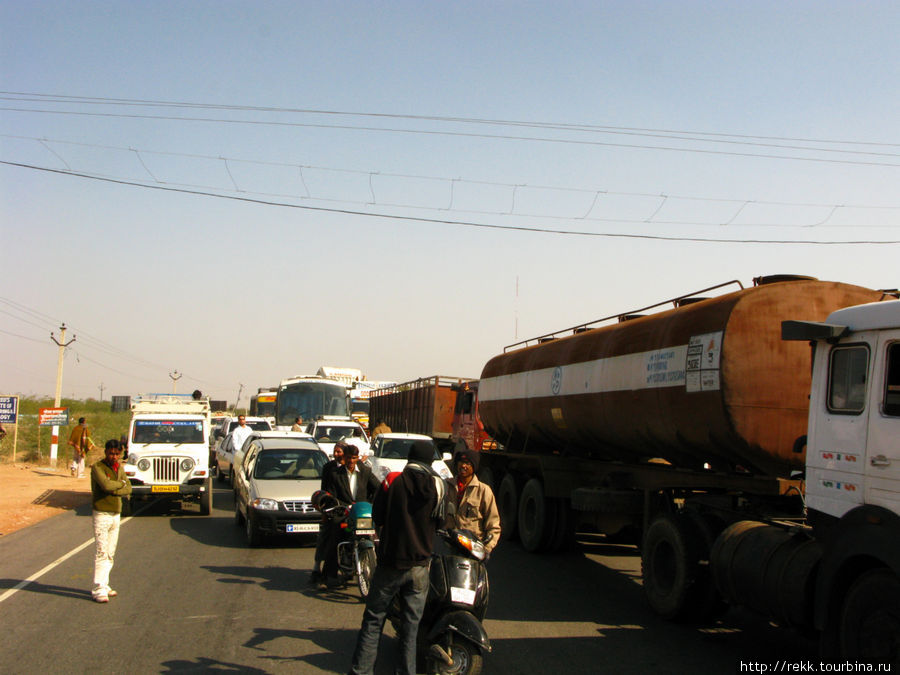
x: 92, y: 100
x: 438, y: 221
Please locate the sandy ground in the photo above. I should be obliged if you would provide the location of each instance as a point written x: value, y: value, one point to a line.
x: 31, y: 493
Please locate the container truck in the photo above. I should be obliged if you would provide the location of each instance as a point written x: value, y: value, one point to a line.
x: 423, y: 406
x: 747, y: 475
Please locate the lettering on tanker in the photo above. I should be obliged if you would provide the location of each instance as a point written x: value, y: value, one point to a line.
x: 704, y: 354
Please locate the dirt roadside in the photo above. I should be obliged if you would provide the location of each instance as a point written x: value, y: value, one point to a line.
x: 30, y: 493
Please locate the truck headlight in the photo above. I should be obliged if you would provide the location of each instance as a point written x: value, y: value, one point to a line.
x: 187, y: 464
x: 265, y: 504
x: 144, y: 465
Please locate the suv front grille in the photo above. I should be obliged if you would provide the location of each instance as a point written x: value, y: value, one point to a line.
x: 165, y: 469
x: 299, y: 506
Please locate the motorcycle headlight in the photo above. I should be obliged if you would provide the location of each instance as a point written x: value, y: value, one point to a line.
x: 265, y: 504
x: 144, y: 465
x: 187, y: 464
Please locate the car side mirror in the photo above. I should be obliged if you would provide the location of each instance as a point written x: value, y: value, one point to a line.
x: 447, y: 457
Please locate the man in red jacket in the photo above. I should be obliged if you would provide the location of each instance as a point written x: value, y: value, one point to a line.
x: 409, y: 510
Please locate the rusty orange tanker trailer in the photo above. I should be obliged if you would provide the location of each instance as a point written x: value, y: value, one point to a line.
x: 708, y: 383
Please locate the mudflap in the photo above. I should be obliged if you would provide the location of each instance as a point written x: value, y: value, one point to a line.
x: 463, y: 624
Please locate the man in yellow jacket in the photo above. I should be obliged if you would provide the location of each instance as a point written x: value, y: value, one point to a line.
x: 80, y: 440
x: 108, y: 485
x: 476, y: 508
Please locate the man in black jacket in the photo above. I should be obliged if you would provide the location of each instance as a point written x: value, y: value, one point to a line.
x: 408, y: 509
x: 349, y: 483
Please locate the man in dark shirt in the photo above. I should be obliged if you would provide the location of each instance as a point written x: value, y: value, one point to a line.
x: 316, y: 577
x: 408, y: 509
x: 349, y: 483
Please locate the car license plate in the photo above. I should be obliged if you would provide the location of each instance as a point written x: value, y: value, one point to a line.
x: 366, y: 533
x: 302, y: 527
x: 164, y: 488
x: 462, y: 595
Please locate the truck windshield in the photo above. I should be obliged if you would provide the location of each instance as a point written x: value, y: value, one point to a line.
x: 168, y: 431
x: 310, y: 400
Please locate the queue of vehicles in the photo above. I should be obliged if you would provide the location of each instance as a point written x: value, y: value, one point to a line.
x: 750, y: 469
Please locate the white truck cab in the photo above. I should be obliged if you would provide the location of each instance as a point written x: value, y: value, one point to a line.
x: 168, y: 451
x: 853, y: 444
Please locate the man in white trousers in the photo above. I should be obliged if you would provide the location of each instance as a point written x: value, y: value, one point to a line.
x: 108, y: 486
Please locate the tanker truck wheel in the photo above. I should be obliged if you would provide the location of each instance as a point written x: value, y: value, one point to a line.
x: 669, y: 563
x: 535, y: 517
x: 870, y: 620
x: 508, y: 505
x: 706, y: 603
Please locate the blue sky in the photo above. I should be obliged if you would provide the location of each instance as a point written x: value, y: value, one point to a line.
x: 736, y: 121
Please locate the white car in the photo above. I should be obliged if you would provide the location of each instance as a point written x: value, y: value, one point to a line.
x: 238, y: 456
x: 390, y: 452
x: 274, y: 484
x: 327, y: 432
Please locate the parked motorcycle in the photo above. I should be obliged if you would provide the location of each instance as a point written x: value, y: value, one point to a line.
x: 356, y: 538
x: 451, y: 637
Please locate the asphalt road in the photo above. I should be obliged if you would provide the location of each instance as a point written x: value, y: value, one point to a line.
x: 193, y: 597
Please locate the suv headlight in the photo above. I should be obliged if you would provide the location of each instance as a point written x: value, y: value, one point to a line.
x: 187, y: 464
x: 144, y: 464
x: 264, y: 504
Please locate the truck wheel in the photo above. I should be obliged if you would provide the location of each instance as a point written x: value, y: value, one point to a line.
x: 870, y: 620
x: 669, y: 566
x: 705, y: 603
x: 534, y: 515
x: 206, y: 498
x: 563, y: 535
x: 508, y: 505
x: 486, y: 476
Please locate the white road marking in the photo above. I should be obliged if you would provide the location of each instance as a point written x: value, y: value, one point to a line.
x: 37, y: 575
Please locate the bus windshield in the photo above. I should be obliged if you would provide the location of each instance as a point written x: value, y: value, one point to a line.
x: 309, y: 400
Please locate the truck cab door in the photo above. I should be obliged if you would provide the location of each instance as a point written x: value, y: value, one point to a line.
x: 840, y: 408
x: 882, y: 465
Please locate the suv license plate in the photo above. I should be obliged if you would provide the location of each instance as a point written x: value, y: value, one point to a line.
x: 164, y: 488
x: 302, y: 527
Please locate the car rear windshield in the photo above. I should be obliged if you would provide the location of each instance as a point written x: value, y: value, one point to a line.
x: 289, y: 464
x: 398, y: 448
x: 168, y: 431
x: 261, y: 425
x: 333, y: 434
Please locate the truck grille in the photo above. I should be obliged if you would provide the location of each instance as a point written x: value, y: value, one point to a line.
x: 165, y: 470
x: 299, y: 506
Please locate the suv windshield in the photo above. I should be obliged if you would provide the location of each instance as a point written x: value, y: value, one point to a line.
x: 398, y: 448
x: 332, y: 434
x: 261, y: 425
x: 168, y: 431
x: 289, y: 464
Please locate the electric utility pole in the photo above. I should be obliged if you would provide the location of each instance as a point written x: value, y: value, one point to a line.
x: 175, y: 377
x: 62, y: 344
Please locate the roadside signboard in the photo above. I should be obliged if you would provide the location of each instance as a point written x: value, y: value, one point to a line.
x: 53, y: 417
x: 9, y: 409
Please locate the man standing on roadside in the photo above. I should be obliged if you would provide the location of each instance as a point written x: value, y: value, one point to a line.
x: 80, y: 440
x: 476, y: 508
x: 108, y: 486
x: 409, y: 510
